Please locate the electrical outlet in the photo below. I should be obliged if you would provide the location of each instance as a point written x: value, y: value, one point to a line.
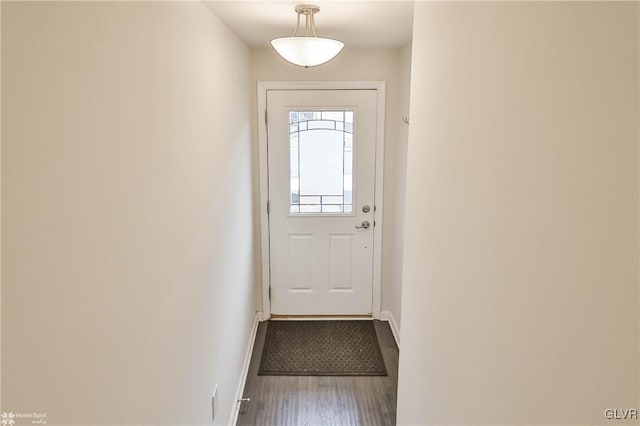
x: 214, y: 403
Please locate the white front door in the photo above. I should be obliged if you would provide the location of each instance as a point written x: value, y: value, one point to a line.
x: 321, y: 167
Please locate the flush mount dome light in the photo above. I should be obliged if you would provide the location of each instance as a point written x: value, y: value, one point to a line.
x: 308, y: 50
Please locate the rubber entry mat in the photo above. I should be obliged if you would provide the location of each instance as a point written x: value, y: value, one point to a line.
x: 321, y: 348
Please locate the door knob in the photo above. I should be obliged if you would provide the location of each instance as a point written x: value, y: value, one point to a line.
x: 364, y: 225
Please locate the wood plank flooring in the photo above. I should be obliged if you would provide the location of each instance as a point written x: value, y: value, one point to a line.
x: 322, y: 400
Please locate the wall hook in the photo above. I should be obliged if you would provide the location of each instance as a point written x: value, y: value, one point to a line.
x: 405, y: 119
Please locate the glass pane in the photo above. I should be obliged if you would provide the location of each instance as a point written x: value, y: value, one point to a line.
x: 293, y: 155
x: 332, y: 200
x: 321, y: 156
x: 348, y: 142
x: 310, y: 200
x: 347, y: 197
x: 332, y: 209
x: 310, y: 209
x: 321, y: 161
x: 348, y: 127
x: 333, y: 115
x: 348, y: 163
x: 348, y: 116
x: 315, y: 124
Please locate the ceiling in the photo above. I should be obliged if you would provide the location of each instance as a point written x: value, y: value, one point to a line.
x: 359, y: 24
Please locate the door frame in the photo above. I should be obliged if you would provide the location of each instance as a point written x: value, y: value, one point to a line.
x: 262, y: 89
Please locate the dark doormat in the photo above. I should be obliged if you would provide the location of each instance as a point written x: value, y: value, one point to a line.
x: 321, y: 348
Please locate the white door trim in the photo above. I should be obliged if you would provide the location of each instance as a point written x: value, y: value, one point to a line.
x: 263, y: 87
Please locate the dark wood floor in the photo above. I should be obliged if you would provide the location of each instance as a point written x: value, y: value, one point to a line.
x: 322, y: 400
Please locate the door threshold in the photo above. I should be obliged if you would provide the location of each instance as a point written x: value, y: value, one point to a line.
x: 321, y: 317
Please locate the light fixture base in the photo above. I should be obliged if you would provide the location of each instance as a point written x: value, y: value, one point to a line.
x: 307, y: 9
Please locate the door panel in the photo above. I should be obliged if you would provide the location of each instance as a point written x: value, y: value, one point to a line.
x: 340, y: 252
x: 299, y: 262
x: 321, y: 161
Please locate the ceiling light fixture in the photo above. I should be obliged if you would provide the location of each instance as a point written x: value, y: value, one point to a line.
x: 308, y: 50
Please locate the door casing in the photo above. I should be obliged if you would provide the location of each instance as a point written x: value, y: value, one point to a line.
x: 262, y: 89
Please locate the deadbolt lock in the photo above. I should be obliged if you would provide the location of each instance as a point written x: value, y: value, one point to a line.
x: 366, y: 209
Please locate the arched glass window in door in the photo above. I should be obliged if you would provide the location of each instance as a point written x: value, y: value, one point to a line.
x: 321, y: 162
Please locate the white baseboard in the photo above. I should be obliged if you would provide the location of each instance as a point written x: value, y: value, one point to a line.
x: 245, y: 370
x: 395, y: 330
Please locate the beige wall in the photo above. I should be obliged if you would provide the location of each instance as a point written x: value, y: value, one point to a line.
x: 127, y: 238
x: 520, y: 296
x: 353, y: 65
x: 0, y: 207
x: 394, y: 190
